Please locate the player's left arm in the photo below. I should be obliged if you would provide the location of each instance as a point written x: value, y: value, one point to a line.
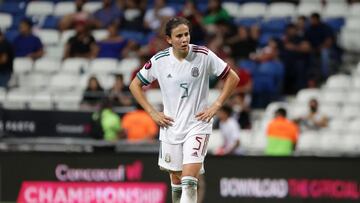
x: 231, y: 81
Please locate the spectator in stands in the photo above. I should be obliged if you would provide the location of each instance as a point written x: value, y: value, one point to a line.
x: 93, y: 94
x: 230, y: 130
x: 114, y: 46
x: 300, y: 24
x: 109, y: 122
x: 269, y: 53
x: 282, y: 135
x: 314, y: 120
x: 296, y: 59
x: 6, y: 60
x: 139, y: 126
x: 321, y: 38
x: 156, y: 44
x: 156, y: 16
x: 69, y: 21
x: 82, y: 44
x: 240, y: 103
x: 242, y: 43
x: 133, y: 16
x: 215, y: 13
x: 120, y: 94
x: 26, y: 44
x: 107, y: 15
x: 192, y: 14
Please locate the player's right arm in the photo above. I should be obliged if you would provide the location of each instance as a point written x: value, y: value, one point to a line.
x: 158, y: 117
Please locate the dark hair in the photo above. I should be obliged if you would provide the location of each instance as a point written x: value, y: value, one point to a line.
x: 27, y: 21
x: 316, y: 16
x: 280, y: 112
x: 174, y: 22
x: 227, y: 110
x: 290, y: 25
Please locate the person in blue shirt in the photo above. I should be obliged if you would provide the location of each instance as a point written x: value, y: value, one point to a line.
x: 106, y: 15
x: 114, y: 46
x: 26, y: 44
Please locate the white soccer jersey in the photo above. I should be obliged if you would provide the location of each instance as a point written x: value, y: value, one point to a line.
x: 184, y: 86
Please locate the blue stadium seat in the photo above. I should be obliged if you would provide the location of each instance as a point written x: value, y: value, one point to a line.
x: 12, y: 7
x: 138, y: 37
x: 252, y: 1
x: 10, y: 35
x: 274, y: 25
x: 247, y: 22
x: 16, y: 21
x: 335, y: 23
x: 265, y: 37
x: 50, y: 22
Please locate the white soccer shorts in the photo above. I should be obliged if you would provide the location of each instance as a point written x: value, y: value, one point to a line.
x: 172, y: 157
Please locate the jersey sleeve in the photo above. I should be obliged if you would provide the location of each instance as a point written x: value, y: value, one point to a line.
x: 147, y: 73
x: 217, y: 66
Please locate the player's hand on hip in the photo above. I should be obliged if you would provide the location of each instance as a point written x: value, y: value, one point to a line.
x: 207, y: 114
x: 161, y: 119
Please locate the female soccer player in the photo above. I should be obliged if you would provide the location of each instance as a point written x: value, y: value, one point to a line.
x: 182, y: 72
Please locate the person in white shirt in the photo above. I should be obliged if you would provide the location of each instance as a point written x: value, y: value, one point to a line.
x: 230, y: 130
x: 154, y: 17
x: 183, y: 72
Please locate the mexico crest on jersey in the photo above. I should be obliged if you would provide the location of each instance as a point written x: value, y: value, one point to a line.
x: 195, y: 72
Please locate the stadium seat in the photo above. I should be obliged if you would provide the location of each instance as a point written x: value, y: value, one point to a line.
x: 354, y: 126
x: 103, y: 66
x: 216, y: 140
x: 54, y: 52
x: 337, y: 125
x: 332, y: 97
x: 351, y: 144
x: 34, y: 81
x: 272, y: 107
x: 354, y: 10
x: 297, y: 110
x: 50, y: 22
x: 330, y: 110
x: 337, y: 2
x: 22, y: 65
x: 305, y: 95
x: 67, y: 101
x: 281, y: 9
x: 247, y: 22
x: 330, y: 143
x: 126, y: 67
x: 335, y: 10
x: 349, y: 40
x: 350, y: 111
x: 39, y: 8
x: 64, y: 81
x: 353, y: 97
x: 64, y: 7
x: 17, y: 99
x: 335, y: 23
x: 352, y: 23
x: 252, y: 10
x: 48, y: 36
x: 100, y: 34
x: 318, y: 2
x: 75, y: 65
x: 232, y: 8
x: 2, y: 94
x: 6, y: 21
x: 274, y: 26
x: 308, y: 143
x: 356, y: 82
x: 338, y: 82
x: 106, y: 80
x: 307, y: 9
x: 92, y: 6
x: 41, y: 101
x: 66, y: 35
x: 47, y: 65
x: 12, y: 7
